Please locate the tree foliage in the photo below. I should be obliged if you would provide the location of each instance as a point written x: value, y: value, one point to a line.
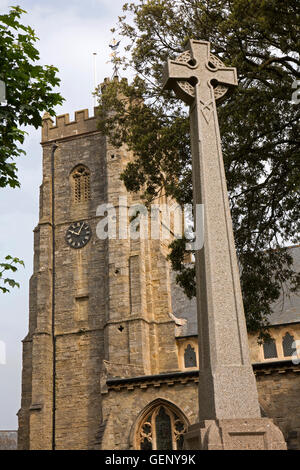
x: 258, y: 124
x: 10, y: 264
x: 29, y: 92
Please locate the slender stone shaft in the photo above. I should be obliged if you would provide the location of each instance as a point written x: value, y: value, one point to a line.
x: 227, y: 388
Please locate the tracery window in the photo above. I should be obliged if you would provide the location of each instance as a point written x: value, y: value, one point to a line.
x: 190, y: 357
x: 270, y: 349
x: 162, y: 428
x: 80, y: 180
x: 287, y: 345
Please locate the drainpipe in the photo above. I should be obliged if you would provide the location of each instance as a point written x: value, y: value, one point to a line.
x: 54, y: 147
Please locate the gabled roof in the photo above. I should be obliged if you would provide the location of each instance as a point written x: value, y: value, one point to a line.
x: 286, y: 310
x: 183, y: 308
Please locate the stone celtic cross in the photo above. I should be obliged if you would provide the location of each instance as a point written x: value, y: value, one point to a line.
x: 227, y: 387
x: 192, y: 76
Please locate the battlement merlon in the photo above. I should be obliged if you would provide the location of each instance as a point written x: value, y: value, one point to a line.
x: 63, y: 128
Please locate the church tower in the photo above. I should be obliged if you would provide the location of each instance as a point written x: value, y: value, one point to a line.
x: 99, y: 307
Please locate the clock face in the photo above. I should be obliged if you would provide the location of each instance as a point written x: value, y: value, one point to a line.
x: 78, y: 234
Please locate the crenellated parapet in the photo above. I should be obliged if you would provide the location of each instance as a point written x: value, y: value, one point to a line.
x: 63, y: 127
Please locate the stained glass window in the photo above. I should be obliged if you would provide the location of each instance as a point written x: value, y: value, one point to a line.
x: 161, y: 429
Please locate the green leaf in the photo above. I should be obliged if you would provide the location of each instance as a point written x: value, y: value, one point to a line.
x: 29, y: 89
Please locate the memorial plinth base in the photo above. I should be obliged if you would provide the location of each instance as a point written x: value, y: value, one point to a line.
x: 235, y: 434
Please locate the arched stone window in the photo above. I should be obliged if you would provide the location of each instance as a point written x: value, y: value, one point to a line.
x: 190, y: 357
x: 161, y: 427
x: 270, y: 349
x: 80, y: 181
x: 287, y: 345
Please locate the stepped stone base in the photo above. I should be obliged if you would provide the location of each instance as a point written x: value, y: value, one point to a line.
x: 235, y: 434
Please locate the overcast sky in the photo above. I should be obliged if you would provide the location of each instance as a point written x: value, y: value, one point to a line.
x: 69, y: 31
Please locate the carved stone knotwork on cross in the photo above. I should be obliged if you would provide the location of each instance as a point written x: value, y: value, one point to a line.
x: 227, y: 388
x: 199, y: 63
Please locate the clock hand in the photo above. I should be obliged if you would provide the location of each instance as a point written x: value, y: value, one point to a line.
x: 81, y: 228
x: 75, y: 233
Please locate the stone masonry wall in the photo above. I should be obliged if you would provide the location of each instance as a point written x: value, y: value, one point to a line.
x: 279, y: 397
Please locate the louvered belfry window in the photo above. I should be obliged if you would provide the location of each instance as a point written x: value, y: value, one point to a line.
x: 80, y: 178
